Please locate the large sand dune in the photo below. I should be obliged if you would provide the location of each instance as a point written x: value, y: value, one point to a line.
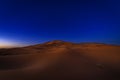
x: 59, y: 60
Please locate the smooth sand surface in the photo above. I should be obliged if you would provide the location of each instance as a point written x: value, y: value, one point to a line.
x: 58, y: 60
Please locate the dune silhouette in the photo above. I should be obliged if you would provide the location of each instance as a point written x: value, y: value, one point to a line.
x: 60, y: 60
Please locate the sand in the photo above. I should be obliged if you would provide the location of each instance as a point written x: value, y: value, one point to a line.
x: 59, y: 60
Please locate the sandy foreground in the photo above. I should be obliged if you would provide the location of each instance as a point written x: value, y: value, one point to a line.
x: 58, y: 60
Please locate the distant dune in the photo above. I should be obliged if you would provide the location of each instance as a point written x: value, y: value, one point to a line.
x: 60, y: 60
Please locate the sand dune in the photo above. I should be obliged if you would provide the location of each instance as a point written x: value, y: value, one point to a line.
x: 59, y: 60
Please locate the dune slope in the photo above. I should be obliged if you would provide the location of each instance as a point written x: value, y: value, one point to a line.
x: 59, y: 60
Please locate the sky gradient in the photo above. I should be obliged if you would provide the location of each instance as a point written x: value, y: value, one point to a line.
x: 35, y: 21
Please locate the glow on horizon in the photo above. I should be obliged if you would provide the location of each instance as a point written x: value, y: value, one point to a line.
x: 5, y: 43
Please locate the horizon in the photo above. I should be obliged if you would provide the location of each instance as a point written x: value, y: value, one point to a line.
x: 19, y: 46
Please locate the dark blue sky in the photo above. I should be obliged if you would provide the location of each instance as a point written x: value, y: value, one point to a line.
x: 36, y: 21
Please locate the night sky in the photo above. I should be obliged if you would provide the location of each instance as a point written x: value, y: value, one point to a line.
x: 35, y: 21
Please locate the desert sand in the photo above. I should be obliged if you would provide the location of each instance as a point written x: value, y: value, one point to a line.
x: 60, y: 60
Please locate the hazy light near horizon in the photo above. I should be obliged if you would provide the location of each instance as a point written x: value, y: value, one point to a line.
x: 5, y: 43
